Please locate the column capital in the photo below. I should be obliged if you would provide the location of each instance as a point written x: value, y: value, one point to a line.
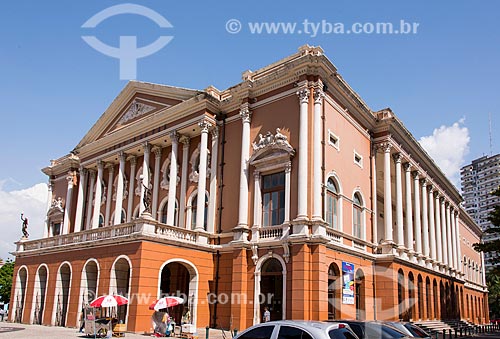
x: 424, y: 182
x: 398, y: 157
x: 215, y: 132
x: 288, y: 167
x: 318, y: 96
x: 407, y: 166
x: 416, y: 174
x: 384, y: 147
x: 100, y: 164
x: 303, y: 95
x: 184, y: 139
x: 83, y: 170
x: 122, y: 156
x: 205, y: 125
x: 147, y: 147
x: 109, y: 166
x: 92, y: 173
x: 430, y: 187
x: 256, y: 175
x: 174, y: 136
x: 70, y: 177
x: 245, y: 113
x: 132, y: 159
x: 157, y: 151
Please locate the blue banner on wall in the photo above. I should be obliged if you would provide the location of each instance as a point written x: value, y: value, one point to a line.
x: 347, y: 283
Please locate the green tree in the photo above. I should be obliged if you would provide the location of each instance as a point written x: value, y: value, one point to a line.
x: 6, y: 273
x: 493, y: 245
x: 493, y: 282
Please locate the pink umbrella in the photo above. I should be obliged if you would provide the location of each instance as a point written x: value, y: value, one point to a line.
x: 109, y: 301
x: 165, y: 302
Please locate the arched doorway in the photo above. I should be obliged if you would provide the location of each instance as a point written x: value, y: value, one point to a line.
x: 428, y: 297
x: 401, y: 295
x: 442, y: 300
x: 39, y: 294
x: 446, y: 301
x: 61, y: 296
x: 359, y: 279
x: 121, y: 272
x: 420, y: 297
x: 270, y: 289
x: 175, y: 279
x: 411, y: 296
x: 334, y: 292
x: 435, y: 299
x: 88, y: 285
x: 20, y: 294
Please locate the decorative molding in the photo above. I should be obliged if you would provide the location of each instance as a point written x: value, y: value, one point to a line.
x: 318, y: 96
x: 136, y: 109
x: 195, y: 161
x: 245, y: 113
x: 165, y: 172
x: 185, y: 140
x: 286, y: 251
x: 204, y: 125
x: 303, y: 95
x: 255, y: 254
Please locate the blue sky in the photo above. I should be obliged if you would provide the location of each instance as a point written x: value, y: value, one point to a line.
x: 54, y: 86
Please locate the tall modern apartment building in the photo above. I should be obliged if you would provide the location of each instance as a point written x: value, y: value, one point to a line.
x: 479, y: 179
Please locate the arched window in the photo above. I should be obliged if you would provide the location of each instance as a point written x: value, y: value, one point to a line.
x: 332, y: 204
x: 164, y: 213
x: 357, y: 215
x: 194, y: 208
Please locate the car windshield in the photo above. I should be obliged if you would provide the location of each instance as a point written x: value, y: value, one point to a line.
x: 416, y: 331
x: 379, y: 331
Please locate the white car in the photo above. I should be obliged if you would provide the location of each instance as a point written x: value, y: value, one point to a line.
x: 297, y: 329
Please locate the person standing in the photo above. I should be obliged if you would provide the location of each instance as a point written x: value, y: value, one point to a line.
x: 267, y: 315
x: 2, y: 313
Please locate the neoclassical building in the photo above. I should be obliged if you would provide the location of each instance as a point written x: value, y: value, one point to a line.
x: 285, y: 190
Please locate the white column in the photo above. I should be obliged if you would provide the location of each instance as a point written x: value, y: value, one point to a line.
x: 438, y: 229
x: 449, y: 236
x: 145, y: 176
x: 90, y: 199
x: 67, y: 207
x: 399, y: 200
x: 131, y: 183
x: 459, y: 242
x: 317, y: 154
x: 303, y: 154
x: 213, y: 180
x: 156, y: 182
x: 416, y: 213
x: 184, y: 175
x: 288, y: 170
x: 119, y: 190
x: 257, y: 201
x: 172, y: 184
x: 49, y: 204
x: 202, y: 179
x: 454, y: 239
x: 374, y: 197
x: 425, y: 219
x: 432, y: 226
x: 109, y: 196
x: 245, y: 154
x: 444, y: 239
x: 387, y: 192
x: 98, y: 195
x: 409, y: 208
x: 81, y: 199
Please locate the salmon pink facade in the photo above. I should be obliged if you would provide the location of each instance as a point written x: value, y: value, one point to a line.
x: 285, y: 190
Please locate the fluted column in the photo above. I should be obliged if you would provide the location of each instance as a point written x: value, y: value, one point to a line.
x: 288, y: 170
x: 257, y: 201
x: 109, y: 196
x: 81, y: 199
x: 317, y: 155
x: 416, y: 212
x: 432, y: 226
x: 213, y: 180
x: 399, y: 201
x: 245, y: 154
x: 69, y: 198
x: 49, y: 204
x: 454, y: 239
x: 459, y: 242
x: 303, y: 154
x: 444, y: 239
x: 98, y: 195
x: 425, y: 219
x: 131, y: 183
x: 202, y: 179
x: 409, y: 208
x: 387, y: 193
x: 439, y: 238
x: 182, y: 200
x: 449, y: 236
x: 119, y: 189
x: 90, y: 199
x: 145, y: 176
x: 172, y: 184
x: 374, y: 198
x: 156, y: 182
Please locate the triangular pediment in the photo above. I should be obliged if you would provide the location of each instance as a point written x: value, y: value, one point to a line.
x: 137, y: 101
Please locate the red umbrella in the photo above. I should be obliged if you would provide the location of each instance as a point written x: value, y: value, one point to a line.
x: 109, y: 301
x: 165, y: 302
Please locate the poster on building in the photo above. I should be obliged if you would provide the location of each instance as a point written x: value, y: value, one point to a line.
x: 347, y: 283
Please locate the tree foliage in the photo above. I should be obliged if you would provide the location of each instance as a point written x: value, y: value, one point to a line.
x: 493, y: 245
x: 6, y: 273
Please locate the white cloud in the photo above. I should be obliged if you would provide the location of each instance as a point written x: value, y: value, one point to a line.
x: 448, y: 146
x: 32, y: 202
